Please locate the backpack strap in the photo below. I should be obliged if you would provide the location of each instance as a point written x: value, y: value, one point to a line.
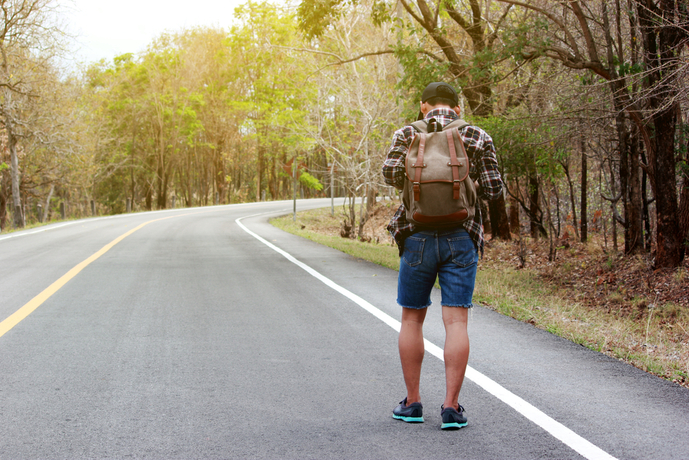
x: 456, y: 126
x: 422, y: 127
x: 454, y: 161
x: 418, y: 166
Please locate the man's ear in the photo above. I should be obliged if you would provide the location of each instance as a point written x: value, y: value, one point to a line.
x: 423, y: 107
x: 457, y: 110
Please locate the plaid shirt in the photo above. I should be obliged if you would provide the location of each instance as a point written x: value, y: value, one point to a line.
x: 484, y: 168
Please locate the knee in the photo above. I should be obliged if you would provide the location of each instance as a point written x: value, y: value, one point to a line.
x: 455, y: 316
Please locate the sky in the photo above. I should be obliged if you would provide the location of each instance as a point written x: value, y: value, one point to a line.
x: 108, y: 28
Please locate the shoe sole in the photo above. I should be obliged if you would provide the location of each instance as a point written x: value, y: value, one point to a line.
x: 453, y: 426
x: 408, y: 419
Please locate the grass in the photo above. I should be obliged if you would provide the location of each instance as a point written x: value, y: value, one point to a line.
x: 379, y: 253
x: 650, y: 338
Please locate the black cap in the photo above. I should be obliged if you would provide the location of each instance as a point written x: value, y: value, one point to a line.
x: 440, y: 89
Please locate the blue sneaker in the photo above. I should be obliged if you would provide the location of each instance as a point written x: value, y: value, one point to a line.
x: 452, y: 419
x: 413, y: 413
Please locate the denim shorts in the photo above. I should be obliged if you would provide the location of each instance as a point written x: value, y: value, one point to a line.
x: 449, y: 255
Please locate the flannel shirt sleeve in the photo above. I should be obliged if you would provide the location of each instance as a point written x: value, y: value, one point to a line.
x: 393, y: 166
x: 490, y: 180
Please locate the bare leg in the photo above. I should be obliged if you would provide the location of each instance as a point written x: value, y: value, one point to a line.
x: 456, y: 351
x: 411, y: 350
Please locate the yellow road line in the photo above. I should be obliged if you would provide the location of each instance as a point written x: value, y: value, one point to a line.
x: 37, y: 301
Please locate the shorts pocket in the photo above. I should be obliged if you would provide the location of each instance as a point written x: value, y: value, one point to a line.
x: 464, y: 253
x: 413, y: 251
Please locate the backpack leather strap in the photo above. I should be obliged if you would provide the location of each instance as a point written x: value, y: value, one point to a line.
x: 454, y: 163
x: 418, y: 166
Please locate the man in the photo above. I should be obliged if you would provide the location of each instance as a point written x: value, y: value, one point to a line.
x: 450, y: 254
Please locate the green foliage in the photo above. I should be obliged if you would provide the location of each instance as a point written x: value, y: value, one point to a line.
x: 381, y: 12
x: 419, y: 70
x: 4, y: 166
x: 201, y: 111
x: 525, y: 147
x: 626, y: 68
x: 314, y: 16
x: 308, y: 181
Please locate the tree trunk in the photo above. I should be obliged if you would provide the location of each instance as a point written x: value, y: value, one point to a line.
x: 584, y: 192
x: 17, y: 211
x: 3, y: 203
x: 629, y: 185
x: 645, y: 213
x: 259, y: 179
x: 514, y: 216
x: 500, y: 225
x: 684, y: 211
x: 634, y: 213
x: 149, y: 198
x: 572, y: 199
x: 534, y: 208
x: 372, y: 193
x: 684, y: 194
x: 273, y: 178
x: 670, y: 247
x: 46, y: 210
x: 220, y: 173
x: 363, y: 215
x: 160, y: 198
x: 663, y: 43
x: 485, y: 214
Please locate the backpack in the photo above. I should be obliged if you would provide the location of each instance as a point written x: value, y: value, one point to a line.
x: 438, y: 191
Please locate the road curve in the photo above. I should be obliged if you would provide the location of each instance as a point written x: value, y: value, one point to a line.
x: 208, y: 333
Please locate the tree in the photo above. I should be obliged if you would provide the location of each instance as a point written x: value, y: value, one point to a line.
x: 579, y: 34
x: 29, y: 40
x: 276, y: 89
x: 438, y: 30
x: 357, y: 109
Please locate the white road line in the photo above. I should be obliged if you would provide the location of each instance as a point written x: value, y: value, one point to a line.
x: 44, y: 229
x: 559, y: 431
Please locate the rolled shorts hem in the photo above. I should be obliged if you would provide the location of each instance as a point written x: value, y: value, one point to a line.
x: 465, y: 305
x: 416, y: 307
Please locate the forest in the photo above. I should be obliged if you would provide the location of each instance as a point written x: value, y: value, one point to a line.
x: 587, y: 103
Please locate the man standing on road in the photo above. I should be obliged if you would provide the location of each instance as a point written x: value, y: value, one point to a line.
x: 450, y: 254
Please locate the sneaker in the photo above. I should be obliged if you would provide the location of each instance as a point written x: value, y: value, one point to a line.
x: 413, y: 413
x: 452, y: 419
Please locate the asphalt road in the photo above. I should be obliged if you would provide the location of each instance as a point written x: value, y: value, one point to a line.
x: 201, y: 336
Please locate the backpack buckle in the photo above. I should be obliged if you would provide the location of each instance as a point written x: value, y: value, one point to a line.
x: 455, y: 189
x: 417, y: 191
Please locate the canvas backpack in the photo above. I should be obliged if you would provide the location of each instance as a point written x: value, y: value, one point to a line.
x: 438, y: 191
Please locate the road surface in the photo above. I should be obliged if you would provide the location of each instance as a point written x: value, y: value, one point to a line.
x: 208, y: 333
